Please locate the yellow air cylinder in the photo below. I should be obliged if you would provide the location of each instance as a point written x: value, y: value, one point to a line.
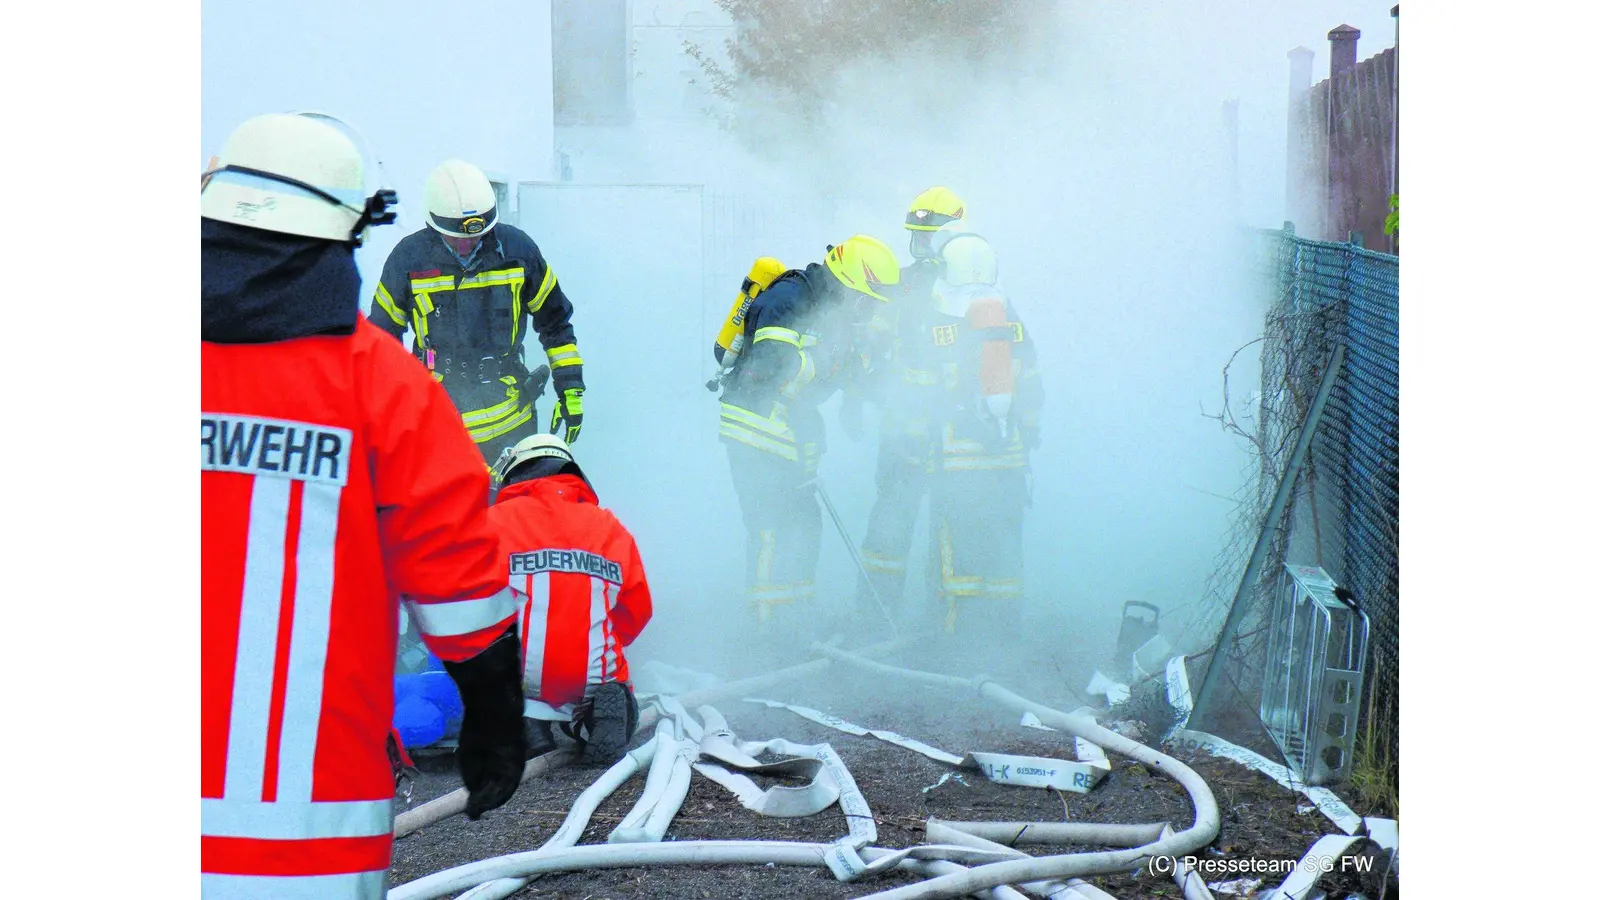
x: 730, y: 340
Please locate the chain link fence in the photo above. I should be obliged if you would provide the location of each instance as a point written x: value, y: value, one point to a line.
x: 1344, y: 514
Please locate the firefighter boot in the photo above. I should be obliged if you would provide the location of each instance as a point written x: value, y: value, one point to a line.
x: 607, y: 719
x: 539, y: 737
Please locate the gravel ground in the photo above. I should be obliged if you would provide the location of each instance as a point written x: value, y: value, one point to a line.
x: 1259, y: 818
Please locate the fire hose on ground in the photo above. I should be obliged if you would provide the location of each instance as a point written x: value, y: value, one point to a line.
x: 1010, y: 834
x: 678, y: 738
x: 954, y: 847
x: 1055, y: 890
x: 577, y: 818
x: 625, y: 856
x: 1045, y: 868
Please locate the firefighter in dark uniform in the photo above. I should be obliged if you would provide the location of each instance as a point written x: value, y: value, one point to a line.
x: 902, y: 393
x: 984, y: 423
x: 470, y: 288
x: 805, y: 336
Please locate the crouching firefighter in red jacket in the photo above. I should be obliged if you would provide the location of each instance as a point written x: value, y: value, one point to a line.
x: 335, y: 477
x: 576, y: 573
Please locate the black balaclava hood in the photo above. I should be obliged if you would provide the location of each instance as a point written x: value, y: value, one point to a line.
x: 259, y: 286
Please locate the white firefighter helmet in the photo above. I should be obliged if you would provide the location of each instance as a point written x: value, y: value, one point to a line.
x: 966, y: 258
x: 461, y: 201
x: 535, y: 447
x: 942, y: 235
x: 291, y: 174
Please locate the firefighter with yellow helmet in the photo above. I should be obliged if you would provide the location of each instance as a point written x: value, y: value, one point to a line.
x: 806, y: 334
x: 984, y: 422
x: 470, y: 288
x: 902, y: 393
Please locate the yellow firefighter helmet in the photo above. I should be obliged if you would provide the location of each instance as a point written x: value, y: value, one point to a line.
x: 864, y: 263
x: 934, y: 207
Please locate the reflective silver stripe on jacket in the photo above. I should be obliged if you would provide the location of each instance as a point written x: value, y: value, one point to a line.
x: 463, y: 616
x: 354, y: 886
x: 287, y: 820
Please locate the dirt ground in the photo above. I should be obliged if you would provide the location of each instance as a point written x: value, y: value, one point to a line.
x: 1260, y: 819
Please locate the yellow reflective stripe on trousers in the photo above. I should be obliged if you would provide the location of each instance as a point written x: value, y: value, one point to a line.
x: 564, y: 355
x: 967, y: 455
x: 764, y: 599
x: 736, y: 432
x: 386, y: 303
x: 874, y: 562
x: 770, y: 434
x: 546, y: 285
x: 493, y: 430
x: 786, y: 592
x: 984, y: 464
x: 1004, y: 588
x: 971, y: 456
x: 490, y: 413
x: 777, y: 424
x: 951, y: 584
x: 287, y: 820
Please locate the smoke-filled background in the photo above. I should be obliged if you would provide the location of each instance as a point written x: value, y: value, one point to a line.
x: 1088, y: 141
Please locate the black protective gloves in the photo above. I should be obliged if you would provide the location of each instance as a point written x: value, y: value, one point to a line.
x: 492, y: 747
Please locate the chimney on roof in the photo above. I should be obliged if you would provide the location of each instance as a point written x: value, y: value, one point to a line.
x: 1342, y: 50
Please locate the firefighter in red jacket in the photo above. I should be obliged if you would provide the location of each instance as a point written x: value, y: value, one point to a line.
x: 576, y: 573
x: 335, y: 478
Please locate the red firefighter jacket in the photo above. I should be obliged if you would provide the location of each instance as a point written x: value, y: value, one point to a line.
x: 335, y: 476
x: 577, y: 575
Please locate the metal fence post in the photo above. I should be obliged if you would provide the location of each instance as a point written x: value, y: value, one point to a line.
x: 1280, y: 502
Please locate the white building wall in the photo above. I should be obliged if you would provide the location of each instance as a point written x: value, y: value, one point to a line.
x: 669, y: 138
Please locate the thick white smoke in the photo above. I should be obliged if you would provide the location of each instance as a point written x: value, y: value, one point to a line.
x: 1105, y: 182
x: 1108, y: 196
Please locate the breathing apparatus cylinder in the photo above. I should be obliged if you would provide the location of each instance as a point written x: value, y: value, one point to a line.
x: 730, y: 340
x: 996, y: 377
